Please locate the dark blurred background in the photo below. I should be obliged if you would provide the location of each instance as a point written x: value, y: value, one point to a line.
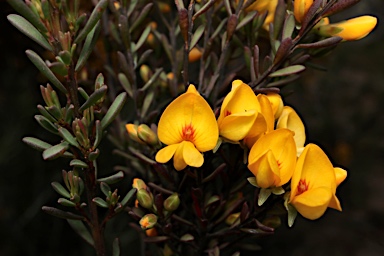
x: 341, y: 108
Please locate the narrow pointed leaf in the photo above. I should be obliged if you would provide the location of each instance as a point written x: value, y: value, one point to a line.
x: 105, y: 188
x: 67, y: 136
x: 113, y: 178
x: 263, y: 196
x: 55, y: 151
x: 196, y: 36
x: 289, y: 26
x: 125, y: 83
x: 248, y: 18
x: 116, y: 247
x: 288, y: 71
x: 339, y: 6
x: 100, y: 202
x: 203, y: 9
x: 81, y: 230
x: 144, y: 57
x: 128, y: 197
x: 88, y: 47
x: 331, y: 41
x: 26, y: 12
x: 152, y: 79
x: 29, y: 30
x: 78, y: 163
x: 36, y: 143
x: 147, y: 102
x: 99, y: 134
x: 94, y: 155
x: 60, y: 189
x: 145, y: 10
x: 61, y: 214
x: 66, y: 202
x: 94, y: 97
x: 143, y: 37
x: 93, y: 19
x: 46, y: 124
x: 40, y: 64
x: 114, y: 110
x: 46, y: 114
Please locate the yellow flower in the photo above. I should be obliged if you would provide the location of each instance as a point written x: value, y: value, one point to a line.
x: 277, y: 103
x: 188, y: 126
x: 314, y: 183
x: 238, y: 112
x: 349, y: 30
x: 264, y: 122
x: 272, y: 158
x: 263, y: 6
x: 290, y: 119
x: 300, y: 9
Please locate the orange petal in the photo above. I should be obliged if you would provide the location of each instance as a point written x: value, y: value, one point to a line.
x: 178, y: 158
x: 340, y: 174
x: 191, y: 155
x: 165, y: 154
x: 266, y: 170
x: 335, y: 203
x: 356, y: 28
x: 236, y: 126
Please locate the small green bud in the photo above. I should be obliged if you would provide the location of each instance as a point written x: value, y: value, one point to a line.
x: 145, y: 198
x: 148, y: 221
x: 146, y: 134
x: 172, y: 202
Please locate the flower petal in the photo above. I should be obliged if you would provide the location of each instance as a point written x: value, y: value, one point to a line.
x: 236, y: 126
x: 165, y: 154
x: 191, y: 155
x: 266, y: 170
x: 312, y: 203
x: 178, y: 158
x: 340, y: 174
x: 335, y: 203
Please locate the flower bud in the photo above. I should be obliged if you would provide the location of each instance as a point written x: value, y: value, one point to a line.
x: 148, y: 221
x: 300, y: 9
x: 145, y: 198
x: 146, y: 134
x: 151, y: 232
x: 139, y: 184
x: 172, y: 202
x: 145, y: 73
x: 349, y: 30
x: 231, y: 219
x: 132, y: 133
x: 194, y: 55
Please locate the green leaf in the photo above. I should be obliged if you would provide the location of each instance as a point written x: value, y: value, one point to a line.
x: 128, y: 197
x: 147, y: 103
x: 46, y: 114
x: 40, y: 64
x: 88, y: 46
x: 114, y: 110
x: 152, y: 79
x: 288, y: 71
x: 61, y: 214
x: 289, y: 26
x: 105, y: 188
x: 278, y: 191
x: 100, y: 202
x: 81, y: 230
x: 116, y: 247
x: 46, y: 124
x: 125, y: 83
x: 187, y: 238
x: 60, y: 189
x: 144, y: 11
x: 328, y: 42
x: 66, y: 202
x: 36, y: 143
x: 252, y: 181
x: 69, y: 114
x: 55, y: 151
x: 142, y: 38
x: 27, y: 13
x: 94, y: 97
x: 263, y: 196
x: 292, y: 214
x: 66, y: 135
x: 94, y: 155
x: 113, y: 178
x: 196, y: 36
x: 93, y: 19
x: 144, y: 57
x: 248, y: 18
x: 99, y: 134
x: 78, y: 163
x: 29, y: 30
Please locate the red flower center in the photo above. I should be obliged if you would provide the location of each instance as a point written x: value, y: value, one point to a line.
x: 188, y: 133
x: 302, y: 187
x: 227, y: 113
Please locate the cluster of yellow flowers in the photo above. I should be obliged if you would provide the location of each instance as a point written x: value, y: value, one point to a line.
x: 274, y: 133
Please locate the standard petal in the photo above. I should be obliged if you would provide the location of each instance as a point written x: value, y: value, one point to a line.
x: 236, y: 126
x: 191, y: 155
x: 165, y: 154
x: 312, y: 203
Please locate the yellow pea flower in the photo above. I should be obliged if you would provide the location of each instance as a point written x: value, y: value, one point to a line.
x: 263, y: 6
x: 352, y: 29
x: 272, y: 158
x: 188, y: 126
x: 276, y: 103
x: 238, y: 112
x: 300, y: 9
x: 314, y: 183
x: 290, y: 119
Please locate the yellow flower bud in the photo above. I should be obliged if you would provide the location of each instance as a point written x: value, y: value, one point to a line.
x: 148, y: 221
x: 194, y: 55
x: 151, y: 232
x: 172, y: 202
x: 231, y: 219
x: 145, y: 198
x: 300, y: 9
x: 349, y: 30
x: 146, y: 134
x: 132, y: 133
x: 139, y: 184
x: 145, y: 73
